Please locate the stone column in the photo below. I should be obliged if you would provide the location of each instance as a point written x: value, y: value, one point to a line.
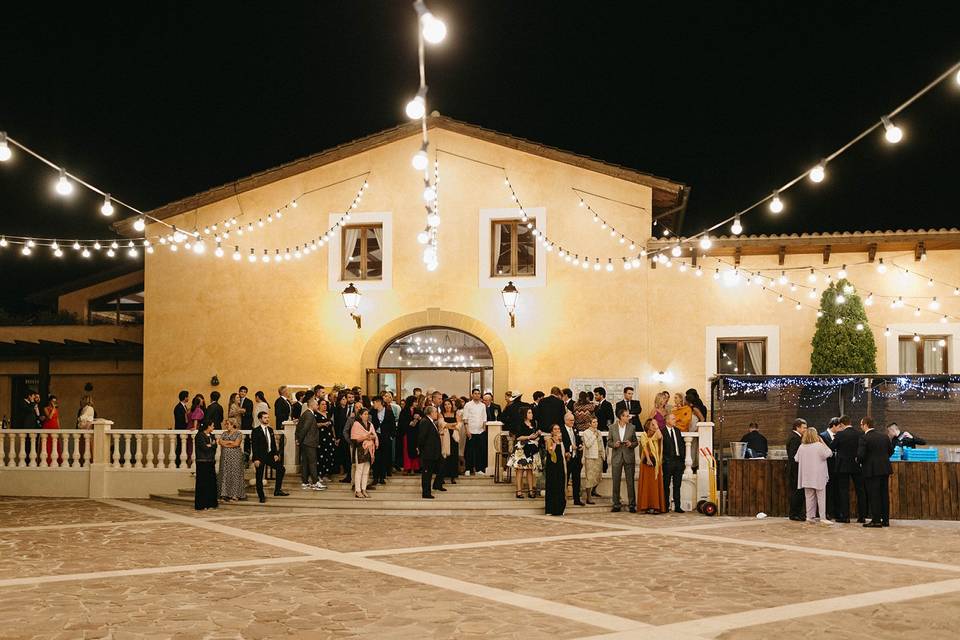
x: 494, y: 429
x: 100, y: 450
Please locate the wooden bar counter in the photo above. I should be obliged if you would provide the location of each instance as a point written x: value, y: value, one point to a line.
x: 918, y: 490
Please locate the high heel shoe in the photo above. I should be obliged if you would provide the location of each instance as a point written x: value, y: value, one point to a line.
x: 532, y: 494
x: 519, y: 495
x: 357, y: 495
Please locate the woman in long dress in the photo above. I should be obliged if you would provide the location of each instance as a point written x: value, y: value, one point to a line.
x: 555, y: 473
x: 407, y: 428
x: 450, y: 418
x: 205, y: 490
x: 327, y: 449
x: 650, y: 483
x: 593, y: 454
x: 230, y: 479
x: 364, y: 439
x: 51, y: 420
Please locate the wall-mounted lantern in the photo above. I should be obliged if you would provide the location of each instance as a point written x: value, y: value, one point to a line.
x: 510, y: 295
x: 351, y: 300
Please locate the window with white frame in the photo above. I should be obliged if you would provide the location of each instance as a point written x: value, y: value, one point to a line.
x: 513, y: 248
x: 744, y: 356
x: 361, y: 252
x: 923, y: 354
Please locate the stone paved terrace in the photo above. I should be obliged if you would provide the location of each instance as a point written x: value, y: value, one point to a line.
x: 140, y: 569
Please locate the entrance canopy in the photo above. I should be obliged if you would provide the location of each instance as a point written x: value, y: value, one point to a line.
x: 436, y: 348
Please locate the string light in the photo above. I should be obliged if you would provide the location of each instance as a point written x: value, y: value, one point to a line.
x: 776, y: 204
x: 432, y: 28
x: 736, y: 228
x: 818, y: 173
x: 107, y: 207
x: 5, y: 153
x: 892, y: 132
x: 63, y: 187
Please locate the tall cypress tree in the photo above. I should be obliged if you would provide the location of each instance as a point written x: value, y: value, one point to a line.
x: 840, y: 347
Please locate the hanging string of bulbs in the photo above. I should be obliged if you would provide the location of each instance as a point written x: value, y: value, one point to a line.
x: 64, y: 186
x: 431, y: 30
x: 893, y: 134
x: 197, y: 244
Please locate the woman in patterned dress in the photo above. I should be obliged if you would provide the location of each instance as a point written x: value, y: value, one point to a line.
x: 232, y: 484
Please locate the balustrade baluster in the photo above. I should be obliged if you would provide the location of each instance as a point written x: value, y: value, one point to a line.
x: 127, y: 451
x: 21, y: 450
x: 182, y: 458
x: 44, y: 438
x: 115, y: 449
x: 149, y: 460
x: 56, y: 447
x: 139, y: 462
x: 73, y: 441
x: 3, y: 449
x: 162, y: 450
x: 36, y: 445
x: 83, y: 444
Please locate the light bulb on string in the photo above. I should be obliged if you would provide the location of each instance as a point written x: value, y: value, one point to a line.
x: 417, y: 107
x: 139, y: 224
x: 596, y: 265
x: 635, y: 263
x: 886, y: 332
x: 705, y: 242
x: 892, y: 132
x: 420, y: 159
x: 5, y: 152
x: 433, y: 219
x: 916, y: 312
x: 859, y: 326
x: 111, y: 253
x: 676, y: 250
x: 85, y: 253
x: 423, y: 237
x: 843, y: 272
x: 944, y: 320
x: 812, y: 277
x: 840, y: 298
x: 429, y: 193
x: 265, y: 258
x: 916, y: 338
x: 930, y: 282
x: 63, y: 186
x: 107, y: 207
x: 838, y: 321
x: 26, y: 250
x: 218, y: 251
x: 783, y: 278
x: 869, y: 300
x: 609, y: 264
x: 776, y: 204
x: 934, y: 304
x: 432, y: 28
x: 736, y: 228
x: 881, y: 268
x: 96, y: 246
x: 132, y: 252
x: 817, y: 174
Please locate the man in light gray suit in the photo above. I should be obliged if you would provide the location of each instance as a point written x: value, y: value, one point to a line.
x: 308, y: 438
x: 622, y: 442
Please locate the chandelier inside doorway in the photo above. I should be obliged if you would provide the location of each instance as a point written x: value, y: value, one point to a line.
x: 437, y: 348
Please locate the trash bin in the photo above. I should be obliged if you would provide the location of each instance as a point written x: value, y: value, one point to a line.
x: 737, y: 449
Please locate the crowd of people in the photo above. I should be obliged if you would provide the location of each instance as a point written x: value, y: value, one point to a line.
x: 31, y: 414
x: 822, y: 466
x: 557, y: 441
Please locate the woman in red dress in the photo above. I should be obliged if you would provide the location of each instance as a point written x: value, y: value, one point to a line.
x: 51, y: 420
x: 407, y: 426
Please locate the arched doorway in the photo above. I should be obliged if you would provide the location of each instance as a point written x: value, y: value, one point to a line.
x: 433, y: 358
x: 434, y: 317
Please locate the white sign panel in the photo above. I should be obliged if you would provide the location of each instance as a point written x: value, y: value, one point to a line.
x: 614, y: 386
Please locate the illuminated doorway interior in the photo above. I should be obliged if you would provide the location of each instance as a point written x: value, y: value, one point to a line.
x: 433, y: 358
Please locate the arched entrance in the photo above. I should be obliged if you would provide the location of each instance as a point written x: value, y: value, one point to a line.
x: 433, y: 358
x: 451, y: 331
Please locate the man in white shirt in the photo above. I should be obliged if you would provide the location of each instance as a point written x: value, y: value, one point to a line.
x: 475, y: 421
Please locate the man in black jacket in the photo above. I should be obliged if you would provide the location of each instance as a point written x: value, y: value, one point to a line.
x: 282, y: 407
x: 246, y: 404
x: 573, y: 446
x: 631, y: 405
x: 674, y: 462
x: 845, y: 443
x: 550, y: 411
x: 903, y: 438
x: 265, y: 453
x: 493, y: 409
x: 874, y: 453
x: 796, y: 497
x: 180, y: 423
x: 428, y: 445
x: 214, y: 412
x: 604, y: 410
x: 307, y: 436
x: 385, y: 424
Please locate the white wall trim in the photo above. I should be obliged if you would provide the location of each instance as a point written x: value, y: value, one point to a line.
x: 333, y: 252
x: 951, y: 329
x: 769, y: 331
x: 483, y: 233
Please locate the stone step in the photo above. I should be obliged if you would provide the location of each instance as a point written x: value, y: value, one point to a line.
x: 443, y: 505
x: 384, y: 495
x: 393, y: 486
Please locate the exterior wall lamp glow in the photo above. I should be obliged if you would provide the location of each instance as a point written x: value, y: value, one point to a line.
x: 510, y: 295
x: 351, y: 300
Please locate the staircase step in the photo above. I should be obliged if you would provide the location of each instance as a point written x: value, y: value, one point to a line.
x: 381, y: 494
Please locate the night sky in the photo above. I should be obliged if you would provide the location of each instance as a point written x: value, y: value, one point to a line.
x: 155, y: 101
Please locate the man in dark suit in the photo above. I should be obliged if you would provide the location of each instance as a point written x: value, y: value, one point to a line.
x: 846, y: 443
x: 296, y: 407
x: 246, y: 406
x: 674, y: 462
x: 827, y: 435
x: 604, y: 410
x: 343, y: 419
x: 180, y: 422
x: 567, y: 397
x: 282, y: 407
x: 214, y: 413
x: 493, y: 409
x: 265, y: 453
x: 874, y: 453
x: 632, y: 406
x: 550, y: 411
x: 796, y: 497
x: 385, y: 425
x: 573, y: 446
x: 428, y: 444
x: 29, y: 417
x: 307, y: 436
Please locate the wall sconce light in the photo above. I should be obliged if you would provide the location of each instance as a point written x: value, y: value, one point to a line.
x: 351, y: 300
x: 662, y: 377
x: 510, y: 294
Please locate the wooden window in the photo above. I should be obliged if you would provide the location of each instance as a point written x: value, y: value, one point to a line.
x: 513, y: 248
x: 361, y: 252
x: 926, y: 355
x: 744, y: 356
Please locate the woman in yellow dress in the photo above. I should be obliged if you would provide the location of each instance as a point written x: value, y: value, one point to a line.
x: 682, y: 411
x: 650, y: 484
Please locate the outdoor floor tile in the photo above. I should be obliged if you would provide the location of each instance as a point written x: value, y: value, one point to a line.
x: 64, y: 551
x: 930, y: 618
x: 14, y: 513
x: 363, y: 532
x: 680, y: 579
x: 915, y: 542
x: 310, y: 600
